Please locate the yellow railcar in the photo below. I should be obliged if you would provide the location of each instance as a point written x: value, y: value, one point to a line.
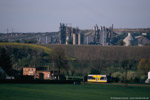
x: 97, y: 78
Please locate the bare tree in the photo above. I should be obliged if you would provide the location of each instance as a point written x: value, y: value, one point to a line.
x: 5, y: 62
x: 126, y: 64
x: 97, y: 66
x: 59, y: 59
x: 144, y: 66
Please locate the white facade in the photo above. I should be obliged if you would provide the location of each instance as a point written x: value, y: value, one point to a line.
x: 128, y: 40
x: 67, y: 39
x: 149, y: 75
x: 148, y: 79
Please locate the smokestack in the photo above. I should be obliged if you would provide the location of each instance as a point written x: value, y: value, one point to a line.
x: 7, y: 30
x: 112, y: 32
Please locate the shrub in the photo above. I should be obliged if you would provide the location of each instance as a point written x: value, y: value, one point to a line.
x: 144, y: 66
x: 131, y: 76
x: 143, y: 78
x: 2, y: 76
x: 116, y: 76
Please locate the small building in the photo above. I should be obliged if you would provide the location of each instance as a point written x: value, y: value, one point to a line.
x: 46, y: 75
x: 29, y: 71
x: 37, y: 74
x: 148, y: 79
x: 149, y: 75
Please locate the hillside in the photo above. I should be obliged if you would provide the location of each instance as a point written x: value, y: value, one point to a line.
x: 88, y: 58
x: 21, y: 51
x: 26, y: 54
x: 109, y: 53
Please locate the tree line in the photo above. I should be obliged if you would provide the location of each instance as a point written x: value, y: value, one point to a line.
x: 16, y: 56
x: 19, y: 56
x: 107, y: 53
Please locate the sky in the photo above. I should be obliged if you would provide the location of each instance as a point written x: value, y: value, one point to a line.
x: 45, y: 15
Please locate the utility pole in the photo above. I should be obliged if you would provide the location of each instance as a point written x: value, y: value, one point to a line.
x: 7, y: 30
x: 53, y: 72
x: 12, y: 30
x: 103, y: 36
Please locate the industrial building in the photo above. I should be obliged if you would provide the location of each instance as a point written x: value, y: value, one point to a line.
x: 78, y: 39
x: 70, y: 35
x: 142, y: 40
x: 129, y: 40
x: 103, y: 35
x: 37, y: 74
x: 62, y: 33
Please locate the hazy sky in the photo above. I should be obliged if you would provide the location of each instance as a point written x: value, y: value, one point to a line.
x: 45, y: 15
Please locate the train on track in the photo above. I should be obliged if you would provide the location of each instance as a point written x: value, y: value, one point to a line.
x: 98, y: 78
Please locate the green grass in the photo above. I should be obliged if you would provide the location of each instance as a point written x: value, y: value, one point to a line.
x: 34, y: 46
x: 69, y: 92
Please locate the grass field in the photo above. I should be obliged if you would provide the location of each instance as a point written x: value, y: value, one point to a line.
x: 69, y: 92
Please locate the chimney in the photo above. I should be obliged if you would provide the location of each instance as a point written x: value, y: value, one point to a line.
x: 48, y: 68
x: 129, y: 34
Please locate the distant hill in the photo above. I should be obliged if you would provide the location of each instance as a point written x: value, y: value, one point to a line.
x: 131, y: 30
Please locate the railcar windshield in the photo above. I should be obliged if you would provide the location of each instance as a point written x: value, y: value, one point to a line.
x: 91, y: 77
x: 103, y: 78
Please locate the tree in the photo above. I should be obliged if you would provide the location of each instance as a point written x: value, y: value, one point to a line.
x: 17, y: 41
x: 126, y: 64
x: 66, y: 66
x: 97, y: 66
x: 59, y: 59
x: 144, y: 66
x: 71, y: 68
x: 148, y: 64
x: 110, y: 70
x: 122, y: 43
x: 5, y: 62
x: 32, y: 41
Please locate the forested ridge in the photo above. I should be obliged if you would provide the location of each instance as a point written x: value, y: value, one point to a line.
x: 86, y: 59
x: 26, y: 54
x: 108, y: 53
